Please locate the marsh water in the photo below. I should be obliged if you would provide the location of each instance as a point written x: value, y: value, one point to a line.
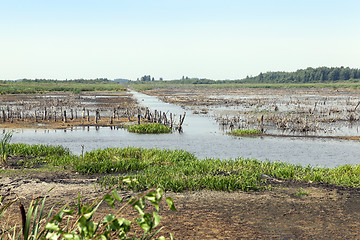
x: 201, y: 137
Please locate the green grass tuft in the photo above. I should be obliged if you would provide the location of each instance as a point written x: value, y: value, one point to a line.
x: 245, y: 132
x: 149, y: 128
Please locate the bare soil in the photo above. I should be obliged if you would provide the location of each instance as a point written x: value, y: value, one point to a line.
x: 291, y: 210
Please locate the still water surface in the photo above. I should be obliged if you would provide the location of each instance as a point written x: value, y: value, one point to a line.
x: 202, y: 137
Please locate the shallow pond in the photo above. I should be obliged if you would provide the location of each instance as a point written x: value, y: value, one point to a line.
x: 202, y: 137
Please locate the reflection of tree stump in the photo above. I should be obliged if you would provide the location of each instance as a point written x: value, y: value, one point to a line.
x: 261, y: 123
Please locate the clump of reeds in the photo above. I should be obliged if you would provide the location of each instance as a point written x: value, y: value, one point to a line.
x: 245, y: 132
x: 4, y: 148
x: 149, y: 128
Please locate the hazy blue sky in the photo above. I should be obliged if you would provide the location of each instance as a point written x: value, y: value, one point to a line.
x: 224, y: 39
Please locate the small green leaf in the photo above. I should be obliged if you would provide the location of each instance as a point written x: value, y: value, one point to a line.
x: 156, y: 218
x: 70, y: 236
x: 68, y: 211
x: 52, y: 227
x: 52, y: 236
x: 116, y: 195
x: 143, y: 224
x: 159, y: 193
x: 139, y: 209
x: 170, y: 202
x: 110, y: 200
x: 151, y: 196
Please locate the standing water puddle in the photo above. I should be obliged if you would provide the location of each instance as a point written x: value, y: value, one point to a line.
x: 202, y: 137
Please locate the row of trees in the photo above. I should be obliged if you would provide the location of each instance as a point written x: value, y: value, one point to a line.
x: 148, y: 78
x: 309, y: 75
x: 93, y: 81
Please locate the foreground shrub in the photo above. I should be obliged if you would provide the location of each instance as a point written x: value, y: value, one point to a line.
x: 77, y: 222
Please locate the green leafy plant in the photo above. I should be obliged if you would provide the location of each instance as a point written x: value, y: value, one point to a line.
x: 112, y: 225
x: 78, y: 221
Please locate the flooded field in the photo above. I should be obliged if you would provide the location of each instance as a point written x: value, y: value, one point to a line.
x: 66, y: 109
x: 203, y: 135
x: 294, y: 112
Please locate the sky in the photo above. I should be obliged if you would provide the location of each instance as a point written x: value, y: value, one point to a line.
x: 227, y: 39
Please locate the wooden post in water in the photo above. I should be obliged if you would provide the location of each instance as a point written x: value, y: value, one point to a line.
x: 181, y: 121
x: 128, y: 114
x: 96, y: 116
x: 64, y: 117
x: 139, y: 116
x: 150, y: 117
x: 114, y: 114
x: 45, y: 113
x: 3, y: 116
x: 165, y: 119
x: 160, y: 119
x: 88, y: 115
x: 146, y: 113
x: 8, y: 112
x: 171, y: 121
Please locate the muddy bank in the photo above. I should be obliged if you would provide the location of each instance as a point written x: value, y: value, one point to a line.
x: 291, y: 210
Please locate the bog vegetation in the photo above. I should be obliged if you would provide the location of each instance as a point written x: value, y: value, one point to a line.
x: 177, y: 170
x: 245, y: 132
x: 149, y: 128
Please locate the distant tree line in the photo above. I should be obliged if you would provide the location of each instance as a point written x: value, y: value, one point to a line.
x: 308, y: 75
x: 92, y: 81
x: 148, y: 78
